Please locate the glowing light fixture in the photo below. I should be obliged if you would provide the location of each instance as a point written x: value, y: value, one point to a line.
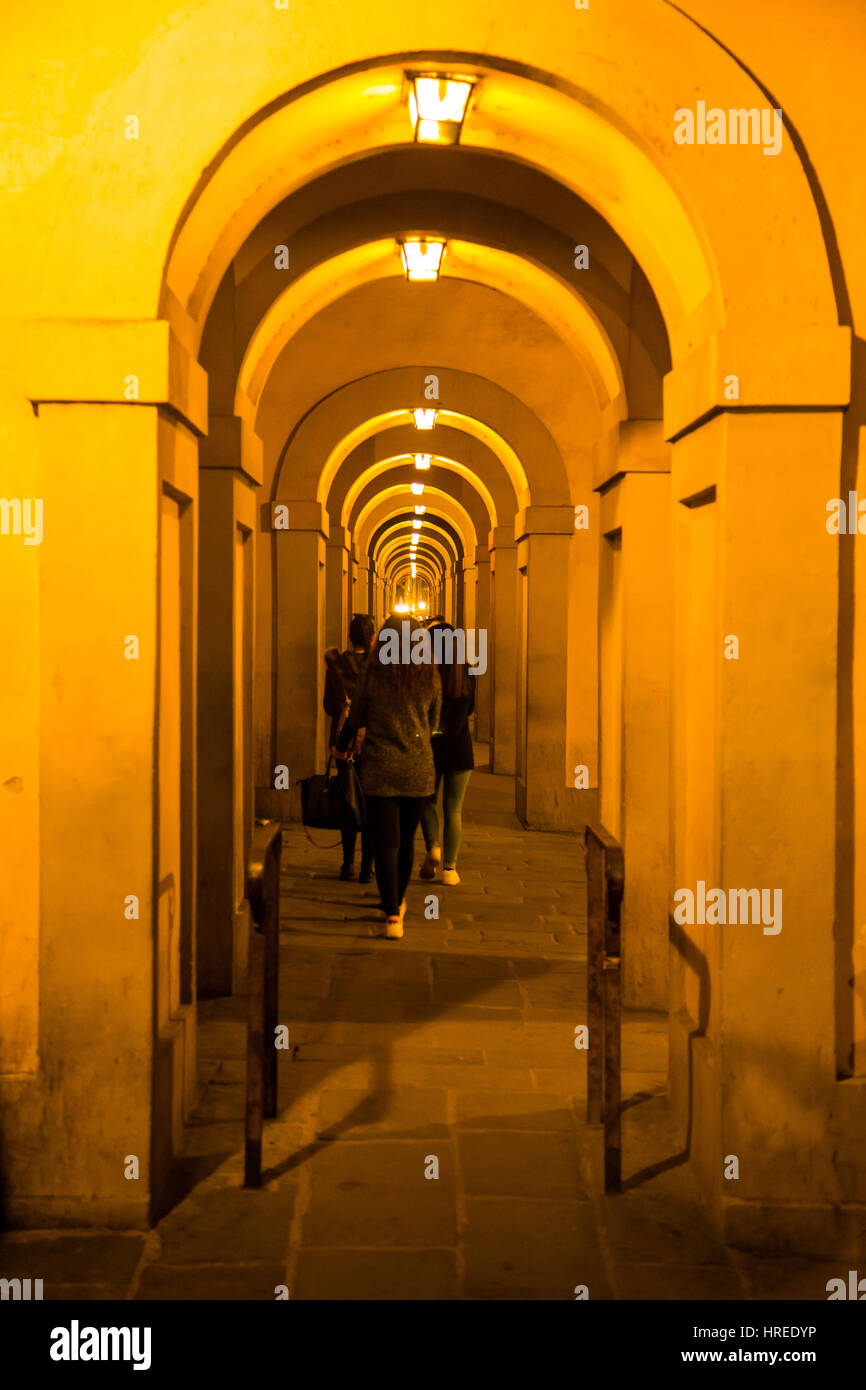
x: 423, y: 460
x: 422, y: 259
x: 417, y: 488
x: 437, y: 107
x: 424, y: 419
x: 416, y: 523
x: 414, y: 571
x: 423, y: 607
x: 419, y: 510
x: 401, y: 607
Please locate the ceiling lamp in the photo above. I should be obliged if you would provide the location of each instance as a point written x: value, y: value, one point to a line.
x: 424, y: 419
x: 416, y: 523
x: 422, y: 259
x: 418, y: 488
x: 437, y: 106
x: 414, y: 570
x: 423, y: 460
x: 419, y: 510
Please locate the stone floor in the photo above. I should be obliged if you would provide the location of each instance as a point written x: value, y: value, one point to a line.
x: 451, y: 1050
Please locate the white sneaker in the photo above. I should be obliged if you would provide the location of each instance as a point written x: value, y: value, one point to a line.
x: 451, y: 877
x: 393, y: 928
x: 431, y: 862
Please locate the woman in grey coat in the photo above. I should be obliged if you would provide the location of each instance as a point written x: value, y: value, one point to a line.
x: 398, y: 703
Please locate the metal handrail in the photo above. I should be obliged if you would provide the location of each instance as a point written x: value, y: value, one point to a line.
x: 263, y: 895
x: 605, y: 871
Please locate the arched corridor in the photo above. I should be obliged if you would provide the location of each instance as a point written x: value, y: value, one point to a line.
x: 436, y: 315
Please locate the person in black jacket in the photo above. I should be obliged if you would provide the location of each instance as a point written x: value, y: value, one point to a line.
x: 342, y: 675
x: 454, y: 759
x: 397, y: 702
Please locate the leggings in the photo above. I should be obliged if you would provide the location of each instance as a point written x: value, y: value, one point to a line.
x: 452, y: 805
x: 349, y: 838
x: 393, y: 821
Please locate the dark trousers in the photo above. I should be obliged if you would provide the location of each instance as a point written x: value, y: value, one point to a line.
x: 393, y: 821
x: 349, y: 838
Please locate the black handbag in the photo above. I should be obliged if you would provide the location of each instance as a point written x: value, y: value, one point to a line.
x: 333, y: 802
x: 319, y: 807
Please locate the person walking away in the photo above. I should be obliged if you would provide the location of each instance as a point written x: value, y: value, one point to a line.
x: 398, y: 704
x: 453, y: 757
x: 342, y: 674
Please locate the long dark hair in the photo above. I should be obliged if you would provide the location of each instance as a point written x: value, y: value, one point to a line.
x: 404, y: 679
x: 453, y: 674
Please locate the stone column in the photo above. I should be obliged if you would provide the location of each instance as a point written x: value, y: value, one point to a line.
x: 361, y: 589
x: 339, y: 589
x: 756, y: 596
x: 448, y: 594
x: 635, y: 714
x: 545, y: 798
x: 230, y: 471
x: 120, y: 409
x: 469, y: 585
x: 300, y: 645
x: 502, y: 650
x: 482, y: 622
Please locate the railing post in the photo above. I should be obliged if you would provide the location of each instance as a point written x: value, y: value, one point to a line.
x: 613, y: 1026
x: 263, y: 893
x: 594, y: 977
x: 605, y: 878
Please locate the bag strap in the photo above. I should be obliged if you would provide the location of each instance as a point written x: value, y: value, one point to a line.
x: 315, y: 846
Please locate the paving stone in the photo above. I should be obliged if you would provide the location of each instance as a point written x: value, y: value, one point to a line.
x: 376, y: 1274
x: 85, y: 1293
x: 676, y: 1282
x: 220, y: 1226
x: 375, y: 1194
x: 211, y: 1282
x: 658, y: 1233
x: 520, y: 1249
x: 791, y: 1277
x: 533, y: 1110
x: 60, y: 1257
x: 520, y: 1164
x: 403, y: 1114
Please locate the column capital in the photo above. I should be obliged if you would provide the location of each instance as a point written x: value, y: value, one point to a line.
x: 114, y: 362
x: 501, y: 538
x: 482, y: 555
x: 811, y: 369
x: 232, y: 443
x: 637, y: 446
x: 544, y: 521
x: 340, y: 536
x: 304, y: 515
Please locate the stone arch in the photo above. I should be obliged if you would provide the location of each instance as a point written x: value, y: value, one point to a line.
x: 400, y: 469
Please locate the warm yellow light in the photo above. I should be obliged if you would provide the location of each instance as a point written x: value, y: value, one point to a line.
x: 416, y: 523
x: 422, y: 260
x: 417, y: 488
x: 424, y: 420
x: 401, y: 608
x: 414, y: 571
x: 422, y: 606
x: 437, y: 107
x: 422, y: 460
x: 419, y: 510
